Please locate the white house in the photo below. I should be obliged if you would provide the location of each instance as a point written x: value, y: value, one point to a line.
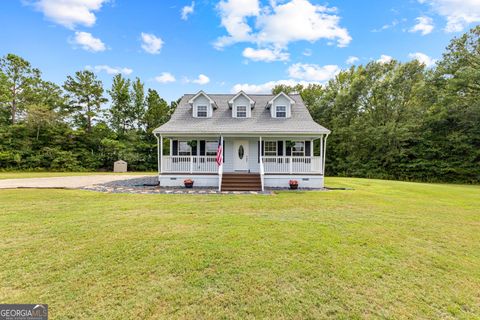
x: 267, y: 140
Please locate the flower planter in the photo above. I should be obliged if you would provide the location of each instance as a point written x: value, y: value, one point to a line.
x: 293, y: 184
x: 188, y: 183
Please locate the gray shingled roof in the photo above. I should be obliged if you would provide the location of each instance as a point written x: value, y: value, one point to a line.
x: 182, y: 121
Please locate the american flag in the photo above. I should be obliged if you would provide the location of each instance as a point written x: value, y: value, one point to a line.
x: 219, y: 158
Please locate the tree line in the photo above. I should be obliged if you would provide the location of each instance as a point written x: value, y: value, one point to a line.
x: 44, y: 126
x: 402, y: 120
x: 388, y: 120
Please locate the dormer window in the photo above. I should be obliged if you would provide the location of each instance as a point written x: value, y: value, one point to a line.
x: 241, y: 105
x: 281, y: 106
x: 281, y: 111
x: 202, y: 105
x: 241, y: 111
x: 202, y: 112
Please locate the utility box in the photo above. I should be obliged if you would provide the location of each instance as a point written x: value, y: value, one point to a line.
x: 120, y: 166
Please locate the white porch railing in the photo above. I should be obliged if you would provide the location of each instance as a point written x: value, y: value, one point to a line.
x: 191, y: 164
x: 292, y: 165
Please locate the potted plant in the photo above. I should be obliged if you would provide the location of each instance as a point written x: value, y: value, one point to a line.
x: 293, y: 184
x: 188, y: 183
x: 192, y: 144
x: 289, y: 144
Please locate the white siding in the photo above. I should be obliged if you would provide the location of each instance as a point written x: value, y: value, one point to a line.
x: 281, y: 101
x: 202, y: 101
x: 241, y: 101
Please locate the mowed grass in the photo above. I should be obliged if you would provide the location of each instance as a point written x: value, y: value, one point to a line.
x: 383, y: 250
x: 47, y: 174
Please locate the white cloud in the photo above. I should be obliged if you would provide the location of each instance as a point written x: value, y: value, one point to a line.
x: 234, y: 15
x: 88, y: 42
x: 424, y: 25
x: 279, y: 24
x: 201, y: 80
x: 384, y: 59
x: 165, y: 77
x: 188, y: 10
x: 266, y: 55
x: 301, y: 20
x: 307, y: 52
x: 110, y: 70
x: 70, y: 13
x: 352, y: 60
x: 459, y: 13
x: 267, y: 86
x: 423, y: 58
x: 387, y: 26
x: 313, y: 72
x: 151, y: 43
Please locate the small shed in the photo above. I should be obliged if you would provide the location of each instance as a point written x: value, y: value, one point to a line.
x: 120, y: 166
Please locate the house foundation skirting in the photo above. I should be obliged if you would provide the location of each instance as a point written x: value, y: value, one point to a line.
x: 200, y: 180
x: 304, y: 181
x: 313, y: 181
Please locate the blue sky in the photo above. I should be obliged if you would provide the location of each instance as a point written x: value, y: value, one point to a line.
x: 179, y: 47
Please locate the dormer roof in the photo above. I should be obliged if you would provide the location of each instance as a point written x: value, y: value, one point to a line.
x: 201, y: 93
x: 241, y: 93
x: 270, y: 102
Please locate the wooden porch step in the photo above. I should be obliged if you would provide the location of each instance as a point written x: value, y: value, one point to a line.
x: 241, y: 182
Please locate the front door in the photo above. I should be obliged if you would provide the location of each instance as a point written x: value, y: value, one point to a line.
x: 240, y: 155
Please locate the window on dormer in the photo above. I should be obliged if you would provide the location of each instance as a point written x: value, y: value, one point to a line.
x: 241, y: 111
x: 281, y: 112
x: 202, y: 111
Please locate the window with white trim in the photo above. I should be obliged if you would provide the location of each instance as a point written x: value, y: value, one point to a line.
x: 211, y: 148
x: 298, y: 150
x: 184, y: 149
x: 270, y: 148
x: 281, y: 111
x: 201, y: 111
x: 241, y: 111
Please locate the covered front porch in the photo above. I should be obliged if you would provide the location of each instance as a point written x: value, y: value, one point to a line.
x: 280, y: 155
x: 272, y: 157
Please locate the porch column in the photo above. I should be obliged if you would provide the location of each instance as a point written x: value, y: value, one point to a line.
x: 161, y: 154
x: 321, y: 154
x: 260, y: 149
x: 324, y: 154
x: 220, y: 167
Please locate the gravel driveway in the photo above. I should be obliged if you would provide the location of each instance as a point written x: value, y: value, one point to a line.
x: 64, y: 182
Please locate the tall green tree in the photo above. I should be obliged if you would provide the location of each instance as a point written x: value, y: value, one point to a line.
x: 451, y: 131
x: 4, y: 114
x: 138, y: 103
x: 18, y: 76
x: 157, y: 111
x: 44, y: 106
x: 85, y: 94
x: 121, y: 107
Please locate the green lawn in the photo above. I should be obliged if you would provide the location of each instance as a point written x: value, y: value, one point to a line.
x: 23, y: 174
x: 384, y: 250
